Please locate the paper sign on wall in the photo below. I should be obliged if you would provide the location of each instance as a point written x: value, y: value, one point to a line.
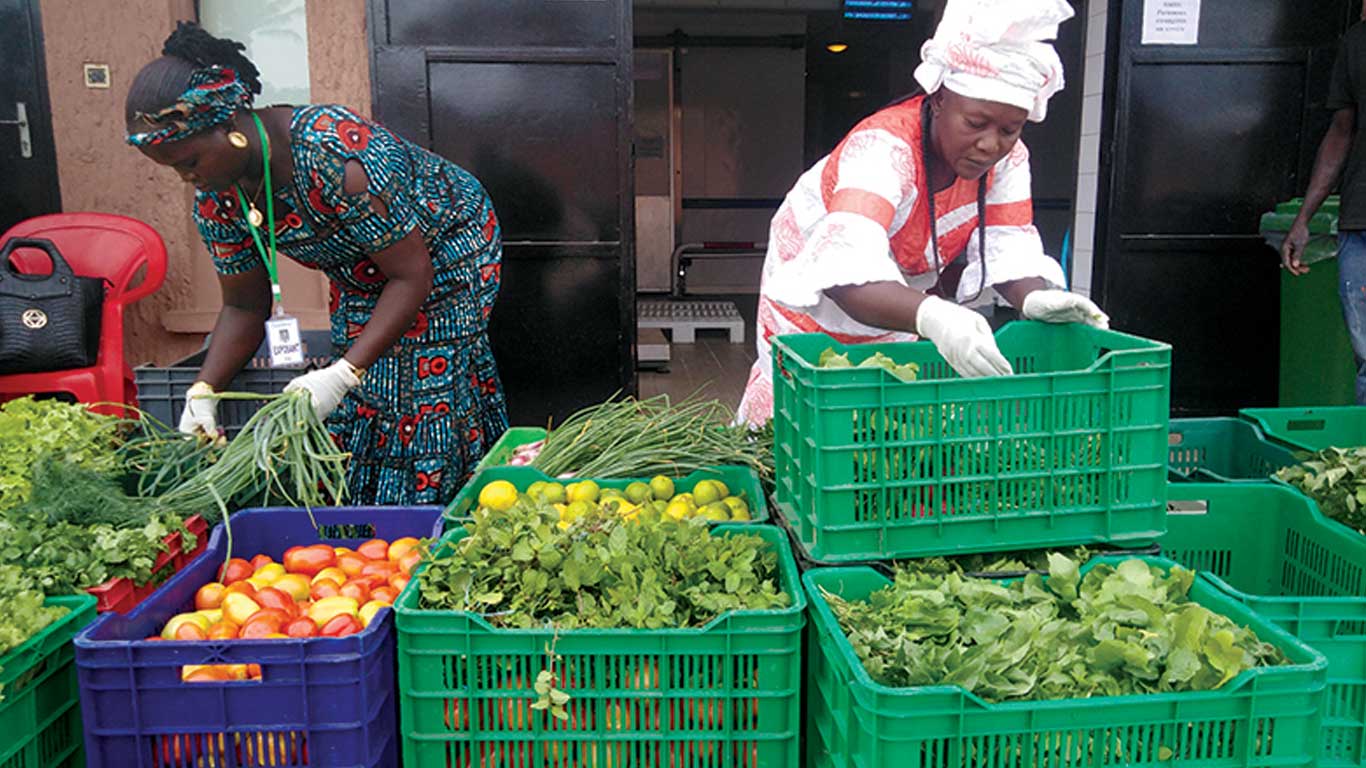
x: 1171, y: 22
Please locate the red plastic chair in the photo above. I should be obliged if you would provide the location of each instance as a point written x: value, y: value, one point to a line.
x: 115, y: 248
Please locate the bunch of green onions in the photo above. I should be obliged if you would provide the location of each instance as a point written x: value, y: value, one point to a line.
x: 283, y: 452
x: 639, y: 438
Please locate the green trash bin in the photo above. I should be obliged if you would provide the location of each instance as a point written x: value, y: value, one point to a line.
x: 1316, y: 363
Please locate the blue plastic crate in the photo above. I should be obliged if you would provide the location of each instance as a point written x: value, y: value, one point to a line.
x: 319, y: 702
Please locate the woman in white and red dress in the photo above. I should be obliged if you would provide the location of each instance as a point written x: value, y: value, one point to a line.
x: 861, y: 249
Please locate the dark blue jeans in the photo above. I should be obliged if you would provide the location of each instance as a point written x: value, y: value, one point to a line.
x: 1352, y: 291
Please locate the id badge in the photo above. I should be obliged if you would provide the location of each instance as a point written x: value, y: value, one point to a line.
x: 286, y: 343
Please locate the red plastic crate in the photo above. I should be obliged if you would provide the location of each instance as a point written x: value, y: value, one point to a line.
x: 121, y: 595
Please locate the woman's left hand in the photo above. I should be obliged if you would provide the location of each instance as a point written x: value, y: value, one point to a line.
x: 327, y: 386
x: 1052, y: 306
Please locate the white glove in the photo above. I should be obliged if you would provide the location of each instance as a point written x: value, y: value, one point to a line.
x: 201, y: 413
x: 963, y: 337
x: 1063, y: 307
x: 327, y: 385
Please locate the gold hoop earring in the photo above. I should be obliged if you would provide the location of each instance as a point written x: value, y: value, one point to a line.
x: 237, y: 139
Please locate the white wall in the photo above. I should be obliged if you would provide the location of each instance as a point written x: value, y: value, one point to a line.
x: 1088, y: 161
x: 275, y: 33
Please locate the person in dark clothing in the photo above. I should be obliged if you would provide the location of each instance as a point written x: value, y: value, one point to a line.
x: 1342, y: 154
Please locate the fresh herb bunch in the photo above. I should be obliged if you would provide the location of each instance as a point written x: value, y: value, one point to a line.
x: 520, y: 569
x: 1335, y: 478
x: 1120, y: 630
x: 640, y: 438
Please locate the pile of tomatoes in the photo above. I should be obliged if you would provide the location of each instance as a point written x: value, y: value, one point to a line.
x: 315, y: 591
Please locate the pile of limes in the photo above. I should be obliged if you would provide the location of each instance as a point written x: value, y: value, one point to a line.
x: 639, y: 501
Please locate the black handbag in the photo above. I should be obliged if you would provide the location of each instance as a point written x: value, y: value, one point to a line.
x: 47, y: 322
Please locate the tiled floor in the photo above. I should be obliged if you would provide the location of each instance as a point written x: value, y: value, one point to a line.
x: 712, y: 364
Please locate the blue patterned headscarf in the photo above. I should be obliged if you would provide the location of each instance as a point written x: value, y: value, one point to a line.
x: 214, y: 95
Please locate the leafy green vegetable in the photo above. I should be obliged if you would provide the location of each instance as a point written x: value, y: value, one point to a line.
x: 905, y: 371
x: 31, y: 429
x: 22, y: 613
x: 520, y: 569
x: 1335, y: 478
x: 1118, y: 630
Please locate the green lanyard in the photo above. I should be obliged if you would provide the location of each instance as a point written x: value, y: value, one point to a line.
x: 270, y: 257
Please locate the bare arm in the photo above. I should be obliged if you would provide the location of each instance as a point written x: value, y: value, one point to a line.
x: 240, y: 326
x: 1328, y: 167
x: 882, y: 305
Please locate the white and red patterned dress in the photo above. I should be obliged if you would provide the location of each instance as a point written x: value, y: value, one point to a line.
x: 860, y: 216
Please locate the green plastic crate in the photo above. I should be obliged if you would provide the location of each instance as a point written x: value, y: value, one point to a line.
x: 740, y: 481
x: 1262, y: 718
x: 40, y: 712
x: 1224, y: 449
x: 502, y: 450
x: 1271, y: 548
x: 1072, y: 449
x: 1313, y: 429
x: 727, y: 694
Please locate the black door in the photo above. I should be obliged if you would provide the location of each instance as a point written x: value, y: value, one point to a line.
x: 1197, y: 142
x: 28, y: 165
x: 533, y: 98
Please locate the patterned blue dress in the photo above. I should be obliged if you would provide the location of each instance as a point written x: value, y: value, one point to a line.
x: 427, y: 410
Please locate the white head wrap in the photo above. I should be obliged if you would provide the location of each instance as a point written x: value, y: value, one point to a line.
x: 994, y: 50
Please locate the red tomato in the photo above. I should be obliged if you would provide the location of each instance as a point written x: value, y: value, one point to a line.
x: 236, y: 569
x: 351, y: 564
x: 310, y: 560
x: 341, y: 626
x: 409, y: 561
x: 402, y: 547
x: 356, y: 589
x: 399, y: 581
x: 223, y: 630
x: 152, y: 638
x: 374, y: 549
x: 190, y: 631
x: 324, y: 588
x: 301, y: 627
x: 245, y: 587
x: 270, y: 597
x: 382, y: 568
x: 289, y: 552
x: 385, y: 594
x: 212, y: 674
x: 253, y: 671
x: 209, y: 596
x: 258, y: 561
x: 267, y: 621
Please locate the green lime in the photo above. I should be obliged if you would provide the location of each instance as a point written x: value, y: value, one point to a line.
x: 586, y: 490
x: 706, y: 492
x: 662, y: 487
x: 721, y: 488
x: 576, y: 510
x: 716, y: 511
x: 537, y: 491
x: 611, y: 493
x: 739, y: 510
x: 639, y: 492
x: 553, y: 493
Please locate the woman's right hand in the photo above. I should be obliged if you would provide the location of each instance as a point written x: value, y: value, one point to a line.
x: 963, y: 337
x: 1293, y: 247
x: 200, y: 416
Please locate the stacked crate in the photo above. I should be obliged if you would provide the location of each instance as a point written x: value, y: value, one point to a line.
x: 1071, y: 450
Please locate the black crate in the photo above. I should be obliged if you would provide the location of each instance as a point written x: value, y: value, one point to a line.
x: 161, y: 390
